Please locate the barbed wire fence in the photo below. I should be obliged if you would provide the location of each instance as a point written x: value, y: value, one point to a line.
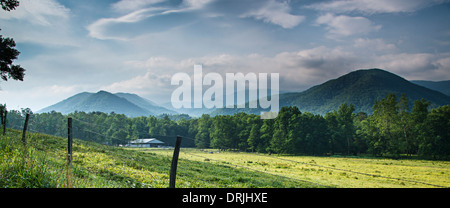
x: 59, y: 129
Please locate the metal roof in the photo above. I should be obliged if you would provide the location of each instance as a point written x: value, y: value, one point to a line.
x: 146, y: 141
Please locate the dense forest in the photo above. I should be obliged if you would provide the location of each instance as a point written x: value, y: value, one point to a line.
x: 395, y: 129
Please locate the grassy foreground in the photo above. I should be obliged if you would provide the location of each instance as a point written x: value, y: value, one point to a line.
x: 42, y: 163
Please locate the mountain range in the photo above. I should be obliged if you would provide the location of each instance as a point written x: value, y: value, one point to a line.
x: 441, y: 86
x: 131, y: 105
x: 360, y: 88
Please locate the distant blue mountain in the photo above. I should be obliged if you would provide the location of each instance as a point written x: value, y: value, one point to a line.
x: 128, y: 104
x: 441, y: 86
x: 359, y: 88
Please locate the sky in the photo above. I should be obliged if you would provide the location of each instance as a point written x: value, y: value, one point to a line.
x: 136, y: 46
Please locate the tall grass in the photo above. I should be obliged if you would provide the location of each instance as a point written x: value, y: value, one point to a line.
x: 21, y: 166
x: 26, y: 165
x: 42, y: 163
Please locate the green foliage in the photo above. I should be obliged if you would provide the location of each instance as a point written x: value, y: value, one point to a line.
x: 392, y: 131
x: 8, y: 55
x: 202, y: 138
x: 435, y: 143
x: 7, y: 51
x: 9, y: 5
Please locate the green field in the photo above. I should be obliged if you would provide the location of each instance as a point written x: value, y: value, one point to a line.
x: 42, y: 163
x: 330, y: 171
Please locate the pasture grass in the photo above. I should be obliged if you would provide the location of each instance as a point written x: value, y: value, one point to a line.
x: 41, y: 163
x: 346, y: 172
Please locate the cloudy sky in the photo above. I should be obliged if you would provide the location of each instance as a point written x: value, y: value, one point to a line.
x: 135, y: 46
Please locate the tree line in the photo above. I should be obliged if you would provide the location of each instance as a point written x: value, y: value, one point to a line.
x: 393, y: 130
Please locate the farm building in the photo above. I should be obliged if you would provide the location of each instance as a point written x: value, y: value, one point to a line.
x: 150, y: 142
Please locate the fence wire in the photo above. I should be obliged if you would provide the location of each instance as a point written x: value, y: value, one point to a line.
x: 60, y: 129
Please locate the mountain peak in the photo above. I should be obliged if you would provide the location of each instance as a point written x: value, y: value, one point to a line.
x: 104, y: 92
x: 360, y: 88
x: 375, y: 73
x: 122, y: 103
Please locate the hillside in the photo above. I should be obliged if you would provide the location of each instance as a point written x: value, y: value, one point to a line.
x: 146, y: 104
x: 121, y: 103
x: 42, y: 164
x: 441, y: 86
x: 360, y: 88
x: 100, y: 166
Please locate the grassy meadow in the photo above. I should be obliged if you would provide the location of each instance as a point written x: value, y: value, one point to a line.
x: 345, y: 172
x: 41, y: 162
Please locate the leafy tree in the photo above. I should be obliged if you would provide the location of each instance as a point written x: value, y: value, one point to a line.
x: 436, y: 143
x: 318, y: 135
x: 7, y: 51
x: 346, y: 126
x: 9, y: 5
x: 405, y: 122
x: 386, y: 116
x: 222, y: 132
x: 341, y: 129
x: 420, y: 110
x: 202, y: 139
x: 335, y: 136
x: 243, y: 124
x: 360, y: 139
x: 285, y: 130
x: 118, y: 130
x: 420, y: 132
x: 254, y: 141
x: 139, y: 127
x: 254, y: 138
x: 2, y: 113
x: 266, y: 133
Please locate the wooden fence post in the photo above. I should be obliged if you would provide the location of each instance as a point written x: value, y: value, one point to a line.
x: 1, y: 114
x: 69, y: 151
x: 25, y: 126
x: 4, y: 122
x: 173, y: 168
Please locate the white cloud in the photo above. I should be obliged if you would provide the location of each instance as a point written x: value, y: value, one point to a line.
x: 315, y: 65
x: 298, y: 70
x: 373, y: 7
x: 43, y: 12
x: 414, y: 66
x: 370, y: 44
x: 405, y: 62
x: 149, y: 83
x: 276, y: 12
x: 133, y: 5
x: 342, y: 25
x: 99, y: 28
x: 196, y: 4
x: 137, y: 12
x: 43, y: 22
